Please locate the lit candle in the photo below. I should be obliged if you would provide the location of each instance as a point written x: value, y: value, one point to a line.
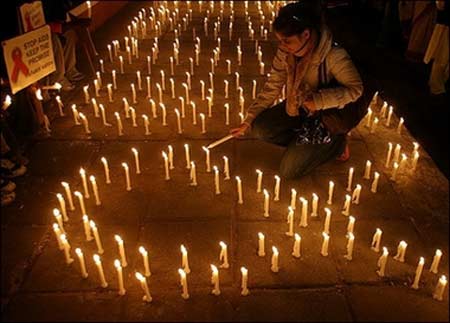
x: 315, y: 202
x: 121, y: 64
x: 326, y: 225
x: 60, y: 105
x: 80, y: 255
x: 244, y: 282
x: 129, y: 54
x: 171, y: 65
x: 382, y: 262
x: 149, y: 86
x: 439, y: 289
x: 223, y: 256
x: 209, y: 106
x: 237, y: 80
x: 127, y: 176
x: 144, y: 254
x: 86, y: 94
x: 75, y: 114
x: 330, y: 192
x: 274, y: 261
x: 191, y: 65
x: 136, y: 160
x: 119, y: 124
x: 266, y: 203
x: 98, y: 262
x: 226, y: 89
x: 193, y: 174
x: 259, y: 181
x: 163, y: 80
x: 277, y: 188
x: 183, y: 283
x: 436, y: 260
x: 97, y: 237
x: 254, y: 89
x: 85, y: 123
x: 188, y: 159
x: 184, y: 260
x: 95, y: 189
x: 293, y: 198
x: 350, y: 241
x: 59, y: 219
x: 419, y: 269
x: 97, y: 88
x: 388, y: 157
x: 123, y: 259
x: 368, y: 117
x: 186, y: 91
x: 62, y: 204
x: 346, y: 207
x: 227, y: 113
x: 66, y: 246
x: 367, y: 170
x: 350, y: 178
x: 394, y: 171
x: 81, y: 201
x: 110, y: 53
x: 290, y: 220
x: 202, y: 119
x: 149, y: 66
x: 324, y: 249
x: 208, y: 161
x: 261, y: 68
x: 228, y: 66
x: 296, y: 248
x: 122, y: 290
x: 202, y: 85
x: 216, y: 180
x: 166, y: 165
x: 147, y: 297
x: 146, y: 125
x: 376, y: 177
x: 226, y: 168
x: 215, y: 280
x: 57, y: 232
x: 383, y: 108
x: 402, y: 164
x: 106, y: 168
x: 113, y: 73
x: 376, y: 240
x: 374, y: 125
x: 304, y: 216
x: 133, y: 93
x: 399, y: 127
x: 153, y: 104
x: 388, y: 120
x: 87, y: 228
x: 356, y: 193
x: 414, y: 161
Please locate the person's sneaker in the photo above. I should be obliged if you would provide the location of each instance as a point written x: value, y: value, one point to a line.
x: 345, y: 154
x: 10, y: 170
x: 7, y: 186
x: 8, y: 198
x: 76, y: 76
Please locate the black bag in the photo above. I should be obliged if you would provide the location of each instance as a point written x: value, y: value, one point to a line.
x: 341, y: 121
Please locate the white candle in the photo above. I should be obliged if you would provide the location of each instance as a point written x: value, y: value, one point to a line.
x: 171, y: 65
x: 383, y: 108
x: 127, y: 176
x: 106, y: 168
x: 277, y: 188
x: 293, y: 198
x: 266, y: 203
x: 113, y: 73
x: 163, y: 80
x: 388, y: 120
x: 166, y: 165
x: 60, y: 105
x: 376, y: 240
x: 228, y: 66
x: 121, y: 64
x: 208, y: 160
x: 186, y: 92
x: 419, y: 269
x: 81, y: 201
x: 376, y: 177
x: 136, y: 160
x: 149, y: 86
x: 394, y: 171
x: 414, y: 161
x: 103, y: 112
x: 85, y: 123
x: 110, y: 92
x: 139, y: 80
x: 439, y: 289
x: 110, y: 53
x: 149, y: 66
x: 187, y: 155
x: 62, y: 204
x: 374, y: 125
x: 367, y: 170
x: 84, y: 180
x: 436, y: 260
x: 296, y: 248
x: 80, y: 255
x: 75, y: 115
x: 223, y: 256
x: 123, y: 258
x: 254, y: 89
x: 274, y: 261
x: 146, y: 125
x: 350, y: 178
x: 261, y: 249
x: 97, y: 237
x: 184, y: 260
x: 261, y: 68
x: 356, y: 193
x: 226, y: 89
x: 202, y: 119
x: 122, y: 290
x: 304, y: 216
x: 133, y: 93
x: 183, y: 283
x: 59, y: 219
x: 119, y: 124
x: 191, y: 65
x: 227, y: 113
x: 399, y: 127
x: 382, y: 262
x: 226, y: 168
x: 290, y: 220
x: 315, y: 202
x: 95, y: 189
x: 66, y: 247
x: 57, y: 232
x: 244, y: 282
x: 144, y: 254
x: 351, y: 224
x: 86, y: 94
x: 402, y: 164
x: 330, y: 192
x: 324, y: 249
x: 170, y: 155
x: 215, y: 280
x: 216, y: 180
x: 97, y: 88
x: 193, y: 174
x: 368, y: 117
x: 388, y: 156
x: 326, y: 225
x: 87, y: 228
x: 346, y: 207
x: 350, y: 241
x: 237, y: 80
x: 98, y: 262
x: 239, y: 190
x: 147, y: 297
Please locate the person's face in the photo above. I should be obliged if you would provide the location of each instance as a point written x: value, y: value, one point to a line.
x: 296, y: 44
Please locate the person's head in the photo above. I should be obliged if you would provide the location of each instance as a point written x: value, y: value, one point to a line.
x: 295, y: 25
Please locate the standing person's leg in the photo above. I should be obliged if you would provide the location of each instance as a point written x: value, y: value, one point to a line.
x: 299, y: 160
x: 70, y: 57
x: 274, y: 125
x: 58, y: 53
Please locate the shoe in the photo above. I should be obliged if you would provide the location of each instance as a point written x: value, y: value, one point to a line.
x: 66, y: 85
x: 10, y: 170
x: 8, y: 198
x: 345, y: 154
x: 76, y: 76
x: 7, y: 186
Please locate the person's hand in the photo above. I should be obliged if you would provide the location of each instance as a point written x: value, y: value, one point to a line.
x: 310, y: 105
x: 240, y: 131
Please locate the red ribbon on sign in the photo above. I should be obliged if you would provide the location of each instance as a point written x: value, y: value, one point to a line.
x: 19, y: 65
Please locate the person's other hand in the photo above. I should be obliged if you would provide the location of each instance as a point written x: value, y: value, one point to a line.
x: 240, y: 131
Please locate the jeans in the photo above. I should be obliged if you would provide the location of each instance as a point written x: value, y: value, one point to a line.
x: 275, y: 126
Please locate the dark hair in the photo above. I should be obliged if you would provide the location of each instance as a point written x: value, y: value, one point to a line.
x: 295, y: 17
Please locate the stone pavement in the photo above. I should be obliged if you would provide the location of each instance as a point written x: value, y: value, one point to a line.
x: 161, y: 215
